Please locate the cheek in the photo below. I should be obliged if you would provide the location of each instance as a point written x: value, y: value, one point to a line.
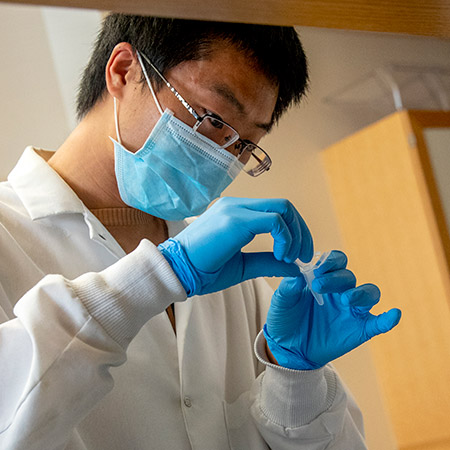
x: 136, y: 121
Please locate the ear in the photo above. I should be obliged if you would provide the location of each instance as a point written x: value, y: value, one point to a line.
x: 121, y: 70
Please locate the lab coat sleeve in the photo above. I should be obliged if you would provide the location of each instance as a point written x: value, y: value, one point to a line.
x: 56, y: 354
x: 311, y: 410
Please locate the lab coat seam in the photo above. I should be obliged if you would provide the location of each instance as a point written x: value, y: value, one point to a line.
x: 227, y: 426
x: 331, y: 389
x: 94, y: 319
x: 91, y: 317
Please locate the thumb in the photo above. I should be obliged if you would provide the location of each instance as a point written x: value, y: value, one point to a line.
x: 264, y: 264
x: 288, y: 293
x: 383, y: 323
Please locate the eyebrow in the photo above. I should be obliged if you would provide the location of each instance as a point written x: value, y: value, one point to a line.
x: 225, y: 92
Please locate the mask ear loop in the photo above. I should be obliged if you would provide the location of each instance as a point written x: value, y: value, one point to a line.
x: 149, y: 83
x: 116, y: 120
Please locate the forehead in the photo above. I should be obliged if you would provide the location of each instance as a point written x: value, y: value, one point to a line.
x: 229, y: 76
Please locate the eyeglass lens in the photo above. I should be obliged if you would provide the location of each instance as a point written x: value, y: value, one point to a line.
x: 218, y: 131
x: 254, y: 159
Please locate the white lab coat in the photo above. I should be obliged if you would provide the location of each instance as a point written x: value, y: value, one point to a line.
x: 89, y: 359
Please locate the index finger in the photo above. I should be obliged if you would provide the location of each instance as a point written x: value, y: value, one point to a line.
x: 336, y: 260
x: 302, y: 243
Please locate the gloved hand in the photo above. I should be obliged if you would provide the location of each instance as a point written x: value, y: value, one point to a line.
x: 304, y: 335
x: 206, y: 256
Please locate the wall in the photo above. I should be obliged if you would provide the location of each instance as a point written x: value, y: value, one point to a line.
x: 438, y: 142
x: 43, y: 52
x: 37, y: 109
x: 31, y: 107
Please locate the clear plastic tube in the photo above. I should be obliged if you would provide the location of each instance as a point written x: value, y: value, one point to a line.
x: 307, y: 270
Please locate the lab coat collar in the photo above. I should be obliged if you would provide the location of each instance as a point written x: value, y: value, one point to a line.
x: 42, y: 191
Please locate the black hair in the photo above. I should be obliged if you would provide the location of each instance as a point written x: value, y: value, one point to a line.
x: 275, y: 50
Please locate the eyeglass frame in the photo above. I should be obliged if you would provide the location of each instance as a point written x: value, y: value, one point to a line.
x: 258, y: 170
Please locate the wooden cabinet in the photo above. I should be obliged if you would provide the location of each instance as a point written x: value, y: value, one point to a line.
x: 420, y: 17
x: 392, y: 213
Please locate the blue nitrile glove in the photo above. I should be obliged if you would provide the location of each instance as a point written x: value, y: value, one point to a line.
x: 206, y: 256
x: 304, y: 335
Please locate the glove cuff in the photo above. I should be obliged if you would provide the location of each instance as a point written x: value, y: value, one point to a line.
x: 180, y: 264
x: 287, y: 358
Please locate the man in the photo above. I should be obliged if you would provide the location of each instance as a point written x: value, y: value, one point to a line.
x: 125, y: 327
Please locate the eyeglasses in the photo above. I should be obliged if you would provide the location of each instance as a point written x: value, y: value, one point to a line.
x: 255, y: 160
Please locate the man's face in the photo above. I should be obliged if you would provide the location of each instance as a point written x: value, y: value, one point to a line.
x: 226, y: 84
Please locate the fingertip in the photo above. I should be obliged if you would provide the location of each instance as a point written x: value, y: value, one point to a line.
x: 341, y: 255
x: 388, y: 320
x: 334, y: 261
x: 278, y: 253
x: 365, y: 296
x: 372, y: 289
x: 290, y: 285
x: 288, y: 259
x: 337, y: 282
x: 396, y: 315
x: 317, y: 285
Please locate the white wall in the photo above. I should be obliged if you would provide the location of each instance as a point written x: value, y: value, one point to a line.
x: 37, y: 109
x: 31, y: 106
x: 438, y: 143
x: 43, y: 52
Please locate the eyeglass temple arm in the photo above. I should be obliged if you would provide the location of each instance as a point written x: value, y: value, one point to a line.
x: 257, y: 159
x: 175, y: 92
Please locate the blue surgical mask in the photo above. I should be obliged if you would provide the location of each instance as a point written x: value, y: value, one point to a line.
x: 177, y: 173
